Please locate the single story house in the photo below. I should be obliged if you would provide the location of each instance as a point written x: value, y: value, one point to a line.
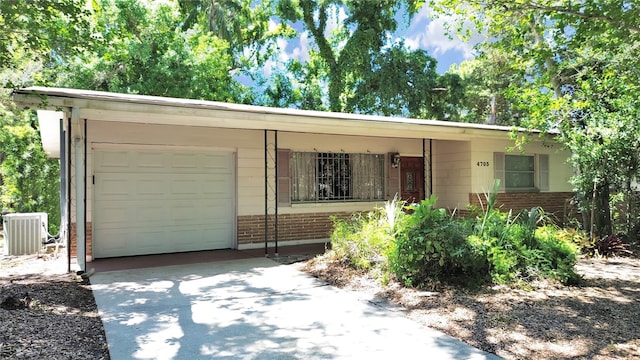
x: 146, y: 175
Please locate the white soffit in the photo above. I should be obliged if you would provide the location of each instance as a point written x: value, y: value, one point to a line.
x: 50, y: 131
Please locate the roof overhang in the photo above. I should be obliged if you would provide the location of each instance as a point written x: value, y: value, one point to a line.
x: 115, y: 107
x: 49, y: 124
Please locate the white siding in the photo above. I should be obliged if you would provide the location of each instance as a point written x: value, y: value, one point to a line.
x: 452, y: 173
x: 483, y: 176
x: 249, y: 148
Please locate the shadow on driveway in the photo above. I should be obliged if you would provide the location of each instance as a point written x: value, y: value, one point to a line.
x: 253, y: 309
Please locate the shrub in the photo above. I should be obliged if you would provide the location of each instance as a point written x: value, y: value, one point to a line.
x: 577, y: 237
x: 365, y: 239
x: 432, y: 245
x: 559, y: 255
x: 611, y: 245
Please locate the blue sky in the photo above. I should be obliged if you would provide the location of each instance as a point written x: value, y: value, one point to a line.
x: 423, y: 33
x: 431, y: 35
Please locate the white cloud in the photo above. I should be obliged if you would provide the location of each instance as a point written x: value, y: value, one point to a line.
x: 282, y: 46
x: 301, y: 52
x: 433, y: 35
x: 336, y: 18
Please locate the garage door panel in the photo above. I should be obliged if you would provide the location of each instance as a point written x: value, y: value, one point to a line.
x: 112, y: 215
x: 114, y: 186
x: 114, y: 160
x: 220, y: 164
x: 216, y: 187
x: 149, y: 215
x: 194, y: 241
x: 184, y: 187
x: 150, y: 160
x: 184, y: 161
x: 117, y: 242
x: 166, y: 201
x: 186, y: 212
x: 146, y: 187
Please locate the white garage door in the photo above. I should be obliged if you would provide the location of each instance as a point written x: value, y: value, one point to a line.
x: 152, y: 202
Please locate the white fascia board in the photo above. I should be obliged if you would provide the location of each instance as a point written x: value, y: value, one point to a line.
x: 168, y: 111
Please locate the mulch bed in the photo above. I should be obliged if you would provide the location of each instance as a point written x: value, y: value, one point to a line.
x: 48, y: 316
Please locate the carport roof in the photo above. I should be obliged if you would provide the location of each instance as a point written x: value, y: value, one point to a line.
x: 116, y: 107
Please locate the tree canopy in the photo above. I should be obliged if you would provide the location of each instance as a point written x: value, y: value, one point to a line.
x: 42, y: 31
x: 142, y: 50
x: 356, y: 49
x: 577, y: 66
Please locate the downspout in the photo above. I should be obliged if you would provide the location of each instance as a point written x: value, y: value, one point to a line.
x: 266, y: 200
x: 276, y: 192
x: 430, y: 167
x: 84, y: 196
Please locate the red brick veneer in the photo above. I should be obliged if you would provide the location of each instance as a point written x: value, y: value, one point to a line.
x: 557, y: 203
x: 290, y: 227
x: 73, y: 240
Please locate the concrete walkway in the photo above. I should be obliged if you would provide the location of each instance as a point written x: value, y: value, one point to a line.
x: 254, y: 309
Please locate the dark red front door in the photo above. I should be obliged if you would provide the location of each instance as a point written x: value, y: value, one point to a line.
x: 411, y: 179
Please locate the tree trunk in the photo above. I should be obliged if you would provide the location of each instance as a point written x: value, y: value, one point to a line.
x: 335, y: 89
x: 603, y: 226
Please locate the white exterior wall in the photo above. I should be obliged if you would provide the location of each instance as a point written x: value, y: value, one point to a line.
x: 455, y: 163
x: 482, y: 154
x: 248, y: 145
x: 451, y: 173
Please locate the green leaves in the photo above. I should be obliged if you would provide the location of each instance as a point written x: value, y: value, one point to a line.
x: 43, y: 28
x: 571, y: 70
x: 29, y: 181
x: 140, y: 56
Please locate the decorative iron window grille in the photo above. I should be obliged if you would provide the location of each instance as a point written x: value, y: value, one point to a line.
x: 320, y: 177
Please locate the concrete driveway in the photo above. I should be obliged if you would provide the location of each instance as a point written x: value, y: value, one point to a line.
x: 254, y: 309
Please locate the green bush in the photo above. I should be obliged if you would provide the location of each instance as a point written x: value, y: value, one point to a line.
x: 428, y: 243
x: 365, y: 239
x: 523, y: 247
x: 559, y: 255
x: 432, y: 245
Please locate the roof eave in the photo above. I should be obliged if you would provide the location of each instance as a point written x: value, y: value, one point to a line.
x: 171, y: 111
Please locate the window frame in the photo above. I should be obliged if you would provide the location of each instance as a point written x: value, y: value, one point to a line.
x: 540, y: 172
x: 375, y: 175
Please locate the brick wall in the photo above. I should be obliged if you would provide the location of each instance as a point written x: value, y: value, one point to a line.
x: 290, y: 227
x: 251, y: 228
x: 73, y: 239
x: 557, y: 203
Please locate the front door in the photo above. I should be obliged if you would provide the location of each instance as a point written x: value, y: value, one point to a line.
x: 411, y: 179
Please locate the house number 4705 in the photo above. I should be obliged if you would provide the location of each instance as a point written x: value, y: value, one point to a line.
x: 483, y: 163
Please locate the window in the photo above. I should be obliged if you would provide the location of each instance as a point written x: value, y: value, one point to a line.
x: 519, y: 172
x: 522, y: 172
x: 320, y: 177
